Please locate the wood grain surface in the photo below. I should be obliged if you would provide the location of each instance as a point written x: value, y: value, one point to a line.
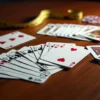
x: 82, y: 82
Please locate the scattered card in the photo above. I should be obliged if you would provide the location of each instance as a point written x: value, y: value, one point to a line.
x: 13, y: 39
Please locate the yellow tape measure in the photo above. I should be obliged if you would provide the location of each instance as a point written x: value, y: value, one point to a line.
x: 75, y: 14
x: 44, y: 14
x: 38, y: 20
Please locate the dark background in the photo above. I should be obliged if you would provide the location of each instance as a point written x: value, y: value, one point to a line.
x: 5, y: 1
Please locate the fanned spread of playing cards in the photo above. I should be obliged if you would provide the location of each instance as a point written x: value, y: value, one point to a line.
x: 73, y: 31
x: 13, y: 39
x: 37, y: 63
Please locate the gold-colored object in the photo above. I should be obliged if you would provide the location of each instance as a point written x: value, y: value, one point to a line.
x: 75, y: 14
x: 37, y: 21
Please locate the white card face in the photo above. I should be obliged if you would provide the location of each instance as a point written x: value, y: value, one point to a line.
x: 95, y: 50
x: 13, y: 60
x: 26, y: 66
x: 75, y: 30
x: 20, y: 68
x: 45, y: 29
x: 94, y: 35
x: 23, y: 76
x: 13, y: 54
x: 4, y: 75
x: 24, y: 53
x: 90, y: 28
x: 64, y: 33
x: 72, y: 31
x: 37, y: 50
x: 51, y: 32
x: 68, y: 56
x: 45, y: 62
x: 27, y: 53
x: 21, y: 71
x: 58, y: 31
x: 53, y: 71
x: 13, y: 39
x: 67, y: 30
x: 50, y: 45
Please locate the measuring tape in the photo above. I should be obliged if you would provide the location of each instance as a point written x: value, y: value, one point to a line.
x: 44, y: 14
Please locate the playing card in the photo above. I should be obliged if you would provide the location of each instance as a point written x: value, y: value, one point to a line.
x: 21, y: 75
x: 13, y: 65
x: 95, y: 35
x: 45, y: 29
x: 28, y: 53
x: 13, y: 39
x: 24, y: 53
x: 65, y: 32
x: 49, y: 46
x: 17, y: 60
x: 53, y: 71
x: 73, y: 31
x: 69, y: 29
x: 69, y: 56
x: 51, y: 32
x: 37, y: 50
x: 87, y: 29
x: 23, y: 65
x: 95, y: 50
x: 37, y: 63
x: 58, y: 30
x: 18, y: 57
x: 54, y: 45
x: 3, y: 75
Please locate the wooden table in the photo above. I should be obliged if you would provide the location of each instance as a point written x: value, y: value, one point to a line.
x: 79, y: 83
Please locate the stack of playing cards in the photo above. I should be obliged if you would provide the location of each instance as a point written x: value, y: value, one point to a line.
x: 73, y: 31
x: 13, y: 39
x: 95, y: 51
x: 37, y: 63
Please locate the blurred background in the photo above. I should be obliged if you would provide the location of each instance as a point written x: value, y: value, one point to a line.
x: 42, y: 0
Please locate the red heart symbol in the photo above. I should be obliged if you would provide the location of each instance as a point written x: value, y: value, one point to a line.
x: 56, y: 46
x: 61, y: 59
x: 1, y: 62
x: 11, y: 46
x: 20, y: 36
x: 72, y: 64
x: 98, y: 36
x: 12, y: 39
x: 73, y: 49
x: 4, y: 61
x: 2, y: 42
x: 62, y: 45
